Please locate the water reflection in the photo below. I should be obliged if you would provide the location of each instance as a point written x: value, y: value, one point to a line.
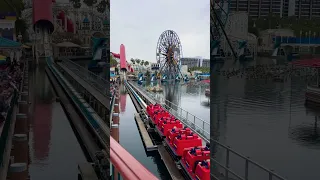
x: 189, y: 96
x: 51, y: 136
x: 266, y: 121
x: 131, y: 141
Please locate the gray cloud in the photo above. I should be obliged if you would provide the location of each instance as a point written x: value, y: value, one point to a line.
x: 138, y: 24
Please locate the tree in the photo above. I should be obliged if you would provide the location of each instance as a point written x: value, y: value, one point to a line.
x: 90, y: 3
x: 102, y: 6
x: 146, y: 63
x: 113, y: 62
x: 132, y: 60
x: 147, y: 74
x: 137, y: 61
x: 142, y: 62
x: 76, y: 3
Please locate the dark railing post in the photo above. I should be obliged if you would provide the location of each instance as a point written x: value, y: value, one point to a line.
x: 227, y: 163
x: 247, y: 169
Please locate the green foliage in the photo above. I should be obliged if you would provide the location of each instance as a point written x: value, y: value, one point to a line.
x: 146, y: 63
x: 297, y: 25
x: 132, y: 60
x: 202, y: 69
x: 113, y: 62
x: 12, y: 6
x: 137, y: 61
x: 147, y: 74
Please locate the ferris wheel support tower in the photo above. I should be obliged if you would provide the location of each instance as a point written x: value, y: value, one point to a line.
x: 219, y: 13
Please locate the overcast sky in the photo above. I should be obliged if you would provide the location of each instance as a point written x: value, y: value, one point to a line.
x: 138, y: 24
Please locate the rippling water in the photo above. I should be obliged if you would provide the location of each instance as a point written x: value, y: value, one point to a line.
x: 268, y: 122
x: 189, y: 96
x: 54, y: 149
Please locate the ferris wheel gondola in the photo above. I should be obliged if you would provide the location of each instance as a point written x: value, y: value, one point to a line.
x: 169, y: 53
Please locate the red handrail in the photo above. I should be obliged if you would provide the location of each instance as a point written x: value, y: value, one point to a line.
x: 127, y: 165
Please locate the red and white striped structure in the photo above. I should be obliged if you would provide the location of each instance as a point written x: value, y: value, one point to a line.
x: 124, y: 65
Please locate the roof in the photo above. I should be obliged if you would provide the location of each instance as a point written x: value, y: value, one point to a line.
x: 8, y: 43
x: 67, y: 44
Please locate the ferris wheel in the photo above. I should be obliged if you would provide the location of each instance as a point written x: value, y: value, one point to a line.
x: 169, y: 53
x: 219, y: 17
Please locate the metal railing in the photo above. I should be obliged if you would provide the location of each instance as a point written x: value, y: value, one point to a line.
x: 111, y: 109
x: 199, y: 125
x: 227, y: 171
x: 96, y: 81
x: 74, y: 54
x: 128, y: 167
x: 6, y: 126
x: 103, y: 132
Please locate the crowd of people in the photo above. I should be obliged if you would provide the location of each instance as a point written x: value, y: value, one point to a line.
x: 114, y: 85
x: 10, y: 79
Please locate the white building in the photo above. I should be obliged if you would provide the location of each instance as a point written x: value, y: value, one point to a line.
x: 195, y: 62
x: 283, y: 8
x: 237, y: 30
x: 266, y: 38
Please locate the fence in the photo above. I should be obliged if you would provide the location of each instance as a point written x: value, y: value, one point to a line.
x: 194, y: 122
x: 222, y: 167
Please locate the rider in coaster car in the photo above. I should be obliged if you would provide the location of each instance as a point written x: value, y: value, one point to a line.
x: 205, y: 164
x: 207, y: 148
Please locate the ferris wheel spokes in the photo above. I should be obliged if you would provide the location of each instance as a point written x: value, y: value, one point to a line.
x: 169, y: 53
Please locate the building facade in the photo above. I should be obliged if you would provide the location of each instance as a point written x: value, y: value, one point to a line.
x: 283, y: 8
x: 195, y: 62
x: 7, y: 26
x: 237, y: 31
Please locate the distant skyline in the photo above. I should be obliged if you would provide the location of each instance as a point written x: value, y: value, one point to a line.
x: 139, y: 24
